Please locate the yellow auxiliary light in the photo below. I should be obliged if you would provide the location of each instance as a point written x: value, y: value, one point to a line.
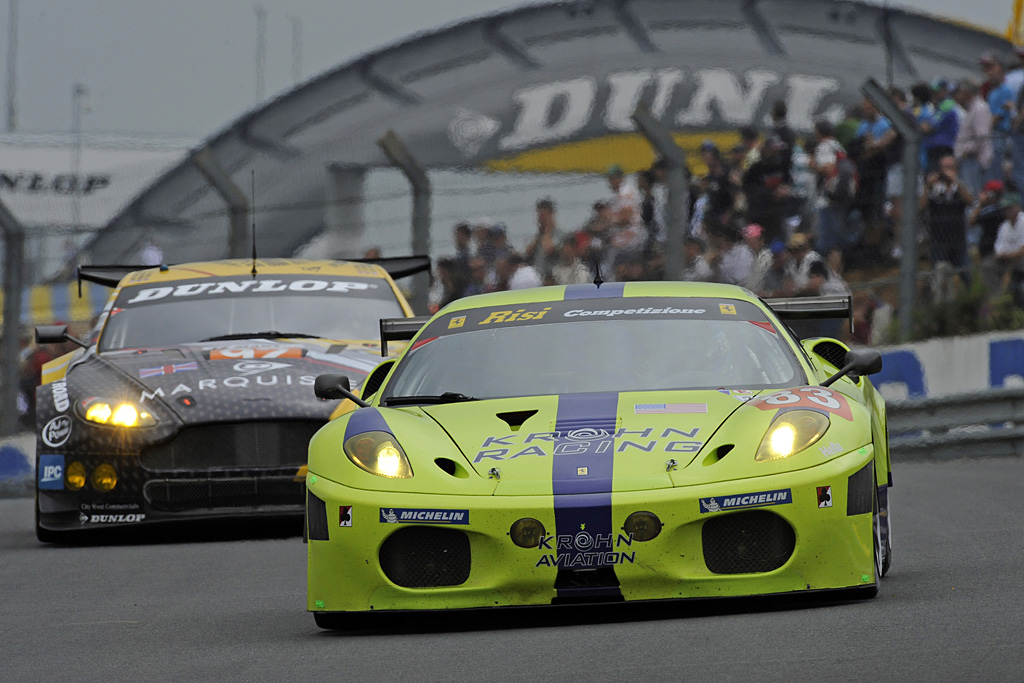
x: 74, y: 475
x: 104, y: 478
x: 643, y: 526
x: 527, y: 532
x: 790, y: 433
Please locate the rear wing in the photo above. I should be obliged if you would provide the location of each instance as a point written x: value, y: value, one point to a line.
x: 398, y: 266
x: 813, y: 308
x: 108, y: 276
x: 399, y: 329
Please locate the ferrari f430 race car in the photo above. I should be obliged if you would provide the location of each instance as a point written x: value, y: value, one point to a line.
x: 596, y: 443
x: 195, y: 399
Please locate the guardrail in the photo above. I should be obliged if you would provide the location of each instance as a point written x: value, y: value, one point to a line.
x: 987, y: 423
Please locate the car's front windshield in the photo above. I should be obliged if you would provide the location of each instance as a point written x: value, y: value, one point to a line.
x: 598, y: 346
x: 196, y: 310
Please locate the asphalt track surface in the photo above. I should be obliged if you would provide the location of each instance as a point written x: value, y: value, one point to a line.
x: 231, y: 607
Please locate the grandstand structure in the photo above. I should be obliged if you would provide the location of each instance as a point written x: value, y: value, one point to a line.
x: 503, y: 109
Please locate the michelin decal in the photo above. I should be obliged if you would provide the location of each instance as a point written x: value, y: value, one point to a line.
x: 744, y: 501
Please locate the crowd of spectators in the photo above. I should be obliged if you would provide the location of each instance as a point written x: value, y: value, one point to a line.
x: 785, y: 216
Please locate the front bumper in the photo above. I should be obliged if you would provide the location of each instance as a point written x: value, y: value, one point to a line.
x: 205, y: 471
x: 814, y: 537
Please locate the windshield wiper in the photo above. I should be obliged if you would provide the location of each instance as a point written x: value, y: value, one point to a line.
x: 446, y: 397
x: 268, y: 334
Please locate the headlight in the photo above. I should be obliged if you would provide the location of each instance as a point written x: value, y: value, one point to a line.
x: 378, y: 453
x: 791, y: 433
x: 115, y: 413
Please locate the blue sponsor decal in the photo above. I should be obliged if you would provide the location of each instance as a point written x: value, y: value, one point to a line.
x: 746, y: 500
x: 423, y: 516
x: 51, y: 472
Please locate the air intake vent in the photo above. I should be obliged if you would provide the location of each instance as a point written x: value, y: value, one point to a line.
x: 860, y: 490
x: 832, y: 352
x: 747, y: 542
x: 316, y: 518
x: 426, y: 557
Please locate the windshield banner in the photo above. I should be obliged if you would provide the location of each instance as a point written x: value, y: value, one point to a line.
x: 244, y: 286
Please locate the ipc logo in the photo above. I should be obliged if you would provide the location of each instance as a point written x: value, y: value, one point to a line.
x: 51, y: 472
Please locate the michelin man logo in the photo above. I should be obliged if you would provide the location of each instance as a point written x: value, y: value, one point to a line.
x: 711, y: 505
x: 390, y: 517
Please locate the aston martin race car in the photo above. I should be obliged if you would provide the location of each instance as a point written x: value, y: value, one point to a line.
x: 628, y: 441
x: 194, y: 398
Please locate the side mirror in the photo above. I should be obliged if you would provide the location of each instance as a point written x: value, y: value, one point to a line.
x: 859, y: 361
x: 864, y: 361
x: 333, y: 387
x: 51, y: 334
x: 55, y: 334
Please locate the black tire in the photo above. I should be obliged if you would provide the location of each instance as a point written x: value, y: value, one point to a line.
x: 887, y: 557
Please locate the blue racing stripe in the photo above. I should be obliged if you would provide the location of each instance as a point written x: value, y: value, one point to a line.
x: 609, y: 290
x: 582, y: 485
x: 366, y: 420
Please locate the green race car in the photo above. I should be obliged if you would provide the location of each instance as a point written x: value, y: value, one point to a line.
x: 628, y: 441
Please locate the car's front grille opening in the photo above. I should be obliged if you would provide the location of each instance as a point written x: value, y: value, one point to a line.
x: 587, y: 585
x: 747, y: 542
x: 234, y: 445
x: 182, y: 494
x: 426, y: 557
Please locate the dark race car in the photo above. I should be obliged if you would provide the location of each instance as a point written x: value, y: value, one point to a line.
x: 194, y: 399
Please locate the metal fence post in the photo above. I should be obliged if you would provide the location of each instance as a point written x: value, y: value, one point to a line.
x: 238, y: 203
x: 399, y: 155
x: 677, y: 208
x: 911, y: 169
x: 14, y: 252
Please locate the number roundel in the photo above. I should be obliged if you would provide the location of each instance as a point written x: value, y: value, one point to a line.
x: 821, y: 399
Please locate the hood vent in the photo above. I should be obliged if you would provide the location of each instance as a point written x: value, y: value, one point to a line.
x: 516, y: 418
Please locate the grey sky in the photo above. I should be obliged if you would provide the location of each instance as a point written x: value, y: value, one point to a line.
x: 188, y: 68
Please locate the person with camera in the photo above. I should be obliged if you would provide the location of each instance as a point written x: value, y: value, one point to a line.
x: 943, y: 205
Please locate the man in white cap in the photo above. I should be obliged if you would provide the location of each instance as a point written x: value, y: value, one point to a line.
x: 1009, y: 247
